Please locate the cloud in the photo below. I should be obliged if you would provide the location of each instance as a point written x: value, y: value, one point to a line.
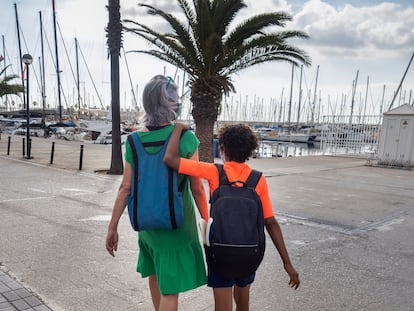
x: 357, y: 32
x: 131, y: 9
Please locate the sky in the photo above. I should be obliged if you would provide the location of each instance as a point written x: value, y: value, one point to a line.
x: 357, y: 42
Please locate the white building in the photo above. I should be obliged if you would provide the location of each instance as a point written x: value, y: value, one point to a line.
x: 396, y: 142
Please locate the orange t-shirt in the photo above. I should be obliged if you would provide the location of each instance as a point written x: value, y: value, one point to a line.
x: 234, y: 171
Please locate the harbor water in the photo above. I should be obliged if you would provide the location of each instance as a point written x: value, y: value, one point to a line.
x: 279, y: 149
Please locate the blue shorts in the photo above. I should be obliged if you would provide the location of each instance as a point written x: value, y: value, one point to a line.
x: 214, y: 280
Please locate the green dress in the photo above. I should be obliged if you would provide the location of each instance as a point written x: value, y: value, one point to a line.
x: 174, y: 256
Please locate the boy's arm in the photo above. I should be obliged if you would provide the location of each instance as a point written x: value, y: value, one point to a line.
x: 172, y: 157
x: 273, y: 228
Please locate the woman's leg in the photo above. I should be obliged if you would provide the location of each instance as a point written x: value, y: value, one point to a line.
x: 223, y: 299
x: 155, y: 291
x: 169, y: 302
x: 241, y: 297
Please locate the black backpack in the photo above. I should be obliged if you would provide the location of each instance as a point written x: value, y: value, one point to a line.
x: 236, y: 235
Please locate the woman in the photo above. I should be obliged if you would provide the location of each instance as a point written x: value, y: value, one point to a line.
x: 171, y: 259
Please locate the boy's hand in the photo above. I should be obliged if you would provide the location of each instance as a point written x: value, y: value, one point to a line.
x: 294, y: 276
x: 180, y: 126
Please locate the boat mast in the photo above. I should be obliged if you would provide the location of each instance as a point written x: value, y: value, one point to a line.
x: 353, y: 98
x: 57, y: 61
x: 3, y: 59
x: 20, y: 51
x: 382, y: 100
x: 281, y: 105
x: 77, y: 77
x: 300, y: 96
x: 402, y: 80
x: 43, y: 80
x: 290, y: 96
x: 314, y: 97
x: 365, y: 103
x: 130, y: 82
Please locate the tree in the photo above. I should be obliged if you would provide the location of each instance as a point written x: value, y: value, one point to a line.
x: 5, y: 87
x: 114, y: 41
x: 210, y: 50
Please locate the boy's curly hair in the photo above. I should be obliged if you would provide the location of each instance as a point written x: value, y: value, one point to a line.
x: 238, y: 142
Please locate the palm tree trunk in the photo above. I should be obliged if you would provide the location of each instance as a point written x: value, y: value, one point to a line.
x: 116, y: 156
x: 114, y: 35
x: 206, y: 97
x: 204, y: 132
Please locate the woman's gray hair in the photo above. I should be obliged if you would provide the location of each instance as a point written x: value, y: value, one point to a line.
x: 160, y: 100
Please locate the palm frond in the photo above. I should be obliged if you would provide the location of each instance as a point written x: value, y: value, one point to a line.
x: 223, y: 13
x: 167, y: 44
x: 181, y: 33
x: 255, y: 26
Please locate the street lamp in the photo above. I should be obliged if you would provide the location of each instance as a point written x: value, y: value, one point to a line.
x: 27, y: 60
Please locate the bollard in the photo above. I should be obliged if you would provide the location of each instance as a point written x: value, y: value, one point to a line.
x: 23, y: 147
x: 29, y: 148
x: 8, y: 145
x: 81, y: 157
x: 52, y: 153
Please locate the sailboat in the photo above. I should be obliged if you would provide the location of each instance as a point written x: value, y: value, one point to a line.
x: 288, y: 135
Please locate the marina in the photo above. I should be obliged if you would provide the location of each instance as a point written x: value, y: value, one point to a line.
x: 336, y: 150
x: 358, y: 231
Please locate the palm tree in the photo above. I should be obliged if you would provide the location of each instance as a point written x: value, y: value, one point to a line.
x: 210, y: 51
x: 5, y: 87
x: 114, y: 41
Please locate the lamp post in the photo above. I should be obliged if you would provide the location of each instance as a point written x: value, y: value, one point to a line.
x: 27, y: 60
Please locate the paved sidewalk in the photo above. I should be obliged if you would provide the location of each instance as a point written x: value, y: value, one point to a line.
x: 67, y: 155
x: 14, y: 296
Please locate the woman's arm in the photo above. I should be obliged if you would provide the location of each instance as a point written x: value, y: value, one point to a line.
x: 273, y: 228
x: 119, y: 207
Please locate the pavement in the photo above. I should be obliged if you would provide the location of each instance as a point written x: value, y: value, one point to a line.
x: 348, y: 228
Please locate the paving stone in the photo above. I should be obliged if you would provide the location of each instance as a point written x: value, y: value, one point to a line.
x: 20, y: 304
x: 6, y: 306
x: 42, y: 308
x: 4, y: 288
x: 33, y: 301
x: 14, y: 285
x: 23, y: 293
x: 11, y: 296
x: 5, y: 278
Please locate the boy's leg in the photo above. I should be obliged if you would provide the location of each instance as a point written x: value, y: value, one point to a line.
x: 169, y: 302
x: 155, y: 291
x: 223, y: 299
x: 241, y: 297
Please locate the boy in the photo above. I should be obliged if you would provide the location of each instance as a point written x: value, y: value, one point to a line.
x: 236, y: 145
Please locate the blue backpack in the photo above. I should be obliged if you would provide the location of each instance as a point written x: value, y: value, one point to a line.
x: 236, y: 237
x: 155, y: 201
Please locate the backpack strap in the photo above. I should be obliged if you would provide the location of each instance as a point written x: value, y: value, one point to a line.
x: 223, y: 180
x: 253, y: 179
x: 133, y: 140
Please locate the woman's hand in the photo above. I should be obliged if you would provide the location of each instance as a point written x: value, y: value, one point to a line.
x: 112, y: 241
